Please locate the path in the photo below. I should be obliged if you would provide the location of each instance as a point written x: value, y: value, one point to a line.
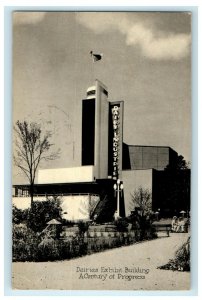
x: 71, y: 275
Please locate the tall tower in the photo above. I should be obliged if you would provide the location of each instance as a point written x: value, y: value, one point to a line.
x: 95, y: 114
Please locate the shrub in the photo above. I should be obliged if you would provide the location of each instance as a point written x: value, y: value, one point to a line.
x: 42, y: 212
x: 48, y: 250
x: 19, y: 215
x: 32, y: 246
x: 121, y: 225
x: 27, y: 246
x: 83, y: 227
x: 67, y: 223
x: 25, y: 243
x: 181, y: 262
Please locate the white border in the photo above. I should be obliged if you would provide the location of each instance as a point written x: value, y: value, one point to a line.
x: 150, y: 5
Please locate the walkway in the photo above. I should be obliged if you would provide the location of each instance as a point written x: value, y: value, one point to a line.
x: 127, y: 268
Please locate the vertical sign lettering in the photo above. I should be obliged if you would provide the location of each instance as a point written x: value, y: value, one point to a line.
x: 116, y: 140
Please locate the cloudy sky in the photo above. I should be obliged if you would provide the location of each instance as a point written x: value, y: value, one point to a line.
x: 146, y: 62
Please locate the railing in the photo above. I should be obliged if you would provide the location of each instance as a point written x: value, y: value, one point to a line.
x: 57, y: 195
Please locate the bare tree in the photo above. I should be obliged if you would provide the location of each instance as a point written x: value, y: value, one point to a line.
x: 31, y: 147
x: 142, y: 199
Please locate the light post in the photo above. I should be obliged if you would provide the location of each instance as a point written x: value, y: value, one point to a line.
x: 157, y: 215
x: 118, y: 187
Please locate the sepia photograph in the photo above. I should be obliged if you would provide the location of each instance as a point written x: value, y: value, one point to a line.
x: 102, y: 147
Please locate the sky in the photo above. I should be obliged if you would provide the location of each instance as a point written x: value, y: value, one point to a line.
x: 146, y: 62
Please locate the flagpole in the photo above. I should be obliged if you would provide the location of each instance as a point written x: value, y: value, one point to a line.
x: 92, y: 73
x: 91, y: 68
x: 95, y: 57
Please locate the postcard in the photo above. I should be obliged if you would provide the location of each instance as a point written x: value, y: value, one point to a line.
x: 101, y: 150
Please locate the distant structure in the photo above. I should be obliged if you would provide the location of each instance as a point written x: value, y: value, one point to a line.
x: 110, y: 170
x: 145, y: 166
x: 147, y: 157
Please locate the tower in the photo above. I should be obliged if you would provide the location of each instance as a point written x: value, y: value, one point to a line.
x: 95, y: 114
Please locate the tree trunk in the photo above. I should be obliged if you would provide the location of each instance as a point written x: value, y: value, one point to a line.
x: 31, y: 193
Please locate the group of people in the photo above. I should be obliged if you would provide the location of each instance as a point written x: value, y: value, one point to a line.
x: 179, y: 224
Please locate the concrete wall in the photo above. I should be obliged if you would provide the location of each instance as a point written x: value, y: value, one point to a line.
x: 101, y: 132
x: 25, y: 202
x: 78, y: 207
x: 132, y: 180
x: 74, y: 207
x: 66, y: 175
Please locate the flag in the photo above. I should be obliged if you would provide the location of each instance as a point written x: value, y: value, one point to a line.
x: 95, y: 57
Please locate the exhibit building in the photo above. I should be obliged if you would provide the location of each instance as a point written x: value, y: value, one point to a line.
x: 111, y: 171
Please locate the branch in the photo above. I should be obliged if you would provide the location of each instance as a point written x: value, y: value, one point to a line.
x: 51, y: 156
x: 30, y: 148
x: 25, y: 171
